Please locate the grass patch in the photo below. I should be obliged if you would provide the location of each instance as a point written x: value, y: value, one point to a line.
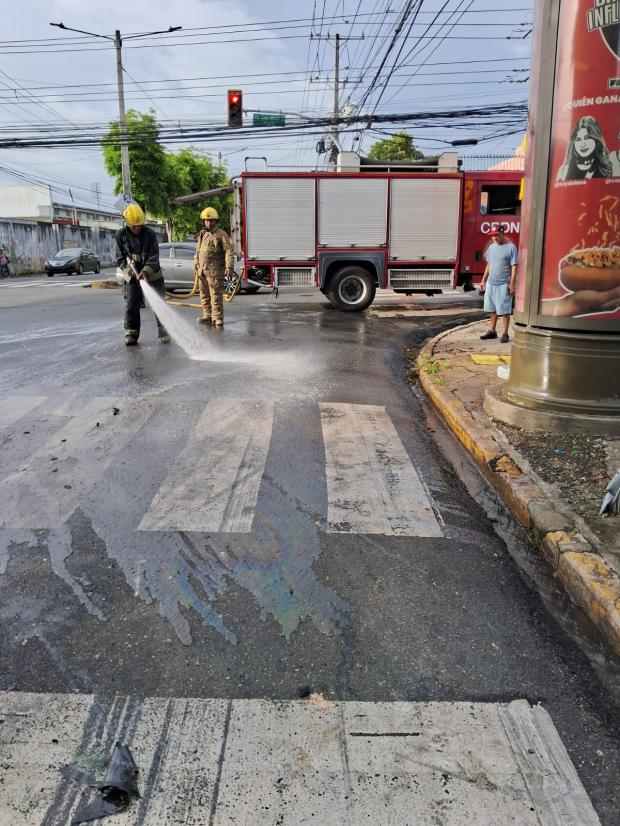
x: 427, y: 364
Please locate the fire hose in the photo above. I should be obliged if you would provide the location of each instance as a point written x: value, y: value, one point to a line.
x: 228, y: 295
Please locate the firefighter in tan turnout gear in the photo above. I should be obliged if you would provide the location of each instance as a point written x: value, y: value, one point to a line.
x: 214, y: 259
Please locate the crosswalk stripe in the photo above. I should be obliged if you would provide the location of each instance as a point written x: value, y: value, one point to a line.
x: 372, y: 485
x: 13, y: 408
x: 45, y: 492
x: 225, y: 762
x: 214, y: 484
x: 30, y: 284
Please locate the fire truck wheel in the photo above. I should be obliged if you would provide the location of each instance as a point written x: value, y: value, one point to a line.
x: 351, y: 289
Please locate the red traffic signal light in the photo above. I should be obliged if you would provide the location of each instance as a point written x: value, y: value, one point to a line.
x: 235, y: 107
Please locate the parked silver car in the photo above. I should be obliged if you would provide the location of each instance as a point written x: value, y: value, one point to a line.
x: 177, y: 265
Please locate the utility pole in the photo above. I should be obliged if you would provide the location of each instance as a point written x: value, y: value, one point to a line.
x: 122, y: 120
x: 333, y: 156
x: 336, y: 88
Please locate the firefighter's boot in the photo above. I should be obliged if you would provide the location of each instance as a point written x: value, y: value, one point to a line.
x: 164, y: 338
x: 204, y: 319
x: 218, y: 323
x: 131, y: 338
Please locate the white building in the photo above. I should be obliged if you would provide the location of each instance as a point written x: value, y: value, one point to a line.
x: 32, y: 203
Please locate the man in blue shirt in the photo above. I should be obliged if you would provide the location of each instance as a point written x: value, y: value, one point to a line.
x: 498, y: 282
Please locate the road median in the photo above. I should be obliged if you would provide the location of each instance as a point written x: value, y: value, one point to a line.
x: 454, y: 369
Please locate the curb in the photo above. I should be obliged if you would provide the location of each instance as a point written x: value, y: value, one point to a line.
x: 587, y: 578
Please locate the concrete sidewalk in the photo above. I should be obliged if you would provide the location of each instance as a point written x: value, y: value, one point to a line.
x: 292, y: 763
x: 553, y: 484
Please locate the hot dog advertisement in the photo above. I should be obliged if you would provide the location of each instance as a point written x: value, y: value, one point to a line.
x: 581, y: 261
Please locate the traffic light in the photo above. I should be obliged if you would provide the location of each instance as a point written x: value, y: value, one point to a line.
x: 235, y: 107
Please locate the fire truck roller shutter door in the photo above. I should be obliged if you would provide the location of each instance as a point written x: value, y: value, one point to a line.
x: 424, y: 221
x: 279, y: 215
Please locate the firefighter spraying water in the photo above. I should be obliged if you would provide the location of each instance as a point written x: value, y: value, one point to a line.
x: 138, y: 257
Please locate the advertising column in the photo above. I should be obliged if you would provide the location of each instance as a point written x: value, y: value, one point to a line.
x: 581, y: 263
x: 566, y: 353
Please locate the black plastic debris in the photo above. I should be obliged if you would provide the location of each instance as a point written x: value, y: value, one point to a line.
x: 115, y: 411
x: 119, y: 788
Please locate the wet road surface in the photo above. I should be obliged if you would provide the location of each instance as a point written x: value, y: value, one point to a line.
x: 273, y: 522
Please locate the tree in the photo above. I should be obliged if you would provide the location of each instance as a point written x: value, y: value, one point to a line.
x: 158, y: 176
x: 147, y: 160
x: 398, y: 147
x: 190, y: 171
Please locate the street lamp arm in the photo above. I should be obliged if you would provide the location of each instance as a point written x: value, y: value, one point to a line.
x: 81, y: 31
x: 149, y: 34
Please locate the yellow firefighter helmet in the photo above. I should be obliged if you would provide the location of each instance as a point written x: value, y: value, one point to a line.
x: 209, y: 214
x: 133, y: 215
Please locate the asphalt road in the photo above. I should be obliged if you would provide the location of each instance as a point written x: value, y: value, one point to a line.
x: 338, y: 551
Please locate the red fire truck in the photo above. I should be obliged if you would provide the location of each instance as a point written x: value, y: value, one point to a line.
x: 349, y: 233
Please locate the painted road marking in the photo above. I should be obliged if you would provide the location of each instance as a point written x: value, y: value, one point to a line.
x: 14, y: 408
x: 372, y: 485
x: 259, y: 762
x: 45, y: 492
x: 44, y: 284
x: 213, y: 487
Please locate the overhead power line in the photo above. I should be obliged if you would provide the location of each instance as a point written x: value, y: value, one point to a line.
x: 500, y: 115
x: 272, y: 25
x: 172, y: 44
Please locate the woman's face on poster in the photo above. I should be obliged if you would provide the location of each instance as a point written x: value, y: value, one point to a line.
x: 584, y: 144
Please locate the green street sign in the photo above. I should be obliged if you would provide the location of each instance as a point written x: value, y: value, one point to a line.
x: 267, y: 119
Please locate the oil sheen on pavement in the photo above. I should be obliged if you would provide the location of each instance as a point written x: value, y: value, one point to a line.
x: 272, y: 524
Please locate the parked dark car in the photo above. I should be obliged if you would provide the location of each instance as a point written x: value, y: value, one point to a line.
x: 177, y: 265
x: 74, y: 260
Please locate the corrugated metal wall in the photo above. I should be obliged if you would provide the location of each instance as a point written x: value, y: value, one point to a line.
x: 29, y: 243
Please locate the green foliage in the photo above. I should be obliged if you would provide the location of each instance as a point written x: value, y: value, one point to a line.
x: 158, y: 176
x: 427, y: 364
x: 147, y: 160
x: 398, y: 147
x: 191, y: 171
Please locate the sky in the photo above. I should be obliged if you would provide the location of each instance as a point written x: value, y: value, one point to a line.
x: 454, y: 54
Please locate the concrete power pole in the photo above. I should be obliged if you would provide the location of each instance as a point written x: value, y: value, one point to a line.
x: 334, y: 152
x: 333, y: 156
x: 122, y: 121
